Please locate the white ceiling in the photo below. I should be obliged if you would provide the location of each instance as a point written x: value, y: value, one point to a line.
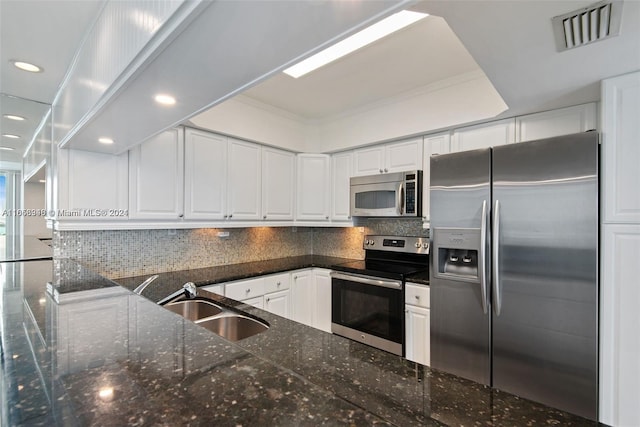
x: 48, y: 34
x: 510, y: 40
x: 421, y: 54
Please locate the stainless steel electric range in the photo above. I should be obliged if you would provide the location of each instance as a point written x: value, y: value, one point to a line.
x: 367, y: 297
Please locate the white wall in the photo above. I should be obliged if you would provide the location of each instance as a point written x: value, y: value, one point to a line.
x: 34, y: 198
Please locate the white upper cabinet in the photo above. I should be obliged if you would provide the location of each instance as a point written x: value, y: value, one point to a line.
x: 313, y: 187
x: 205, y: 179
x: 340, y: 185
x: 485, y: 135
x: 386, y: 158
x: 244, y: 177
x: 621, y: 148
x: 156, y: 173
x: 88, y: 182
x: 278, y: 184
x: 433, y: 145
x: 563, y: 121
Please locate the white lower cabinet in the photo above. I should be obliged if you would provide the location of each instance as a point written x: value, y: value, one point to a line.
x: 270, y: 293
x: 322, y: 305
x: 302, y: 292
x: 417, y: 324
x: 278, y: 303
x: 311, y: 298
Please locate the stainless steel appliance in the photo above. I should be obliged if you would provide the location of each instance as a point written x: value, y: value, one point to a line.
x: 387, y: 195
x: 514, y: 269
x: 367, y: 297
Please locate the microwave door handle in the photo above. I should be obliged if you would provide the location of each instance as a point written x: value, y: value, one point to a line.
x: 401, y: 199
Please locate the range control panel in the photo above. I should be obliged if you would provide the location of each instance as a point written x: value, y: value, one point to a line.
x: 412, y: 244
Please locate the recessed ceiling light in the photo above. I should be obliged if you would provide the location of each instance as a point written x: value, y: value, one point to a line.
x: 9, y: 135
x: 7, y: 148
x: 42, y: 181
x: 13, y: 117
x: 26, y: 66
x: 165, y: 99
x: 360, y: 39
x: 105, y: 140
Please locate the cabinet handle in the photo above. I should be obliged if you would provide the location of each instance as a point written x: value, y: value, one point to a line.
x: 181, y: 215
x: 230, y: 216
x: 386, y: 170
x: 326, y: 217
x: 380, y: 170
x: 264, y: 217
x: 226, y: 216
x: 268, y: 299
x: 417, y: 296
x: 248, y: 290
x: 278, y: 284
x: 295, y: 277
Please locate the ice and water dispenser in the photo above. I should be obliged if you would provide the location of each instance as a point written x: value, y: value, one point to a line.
x: 456, y: 252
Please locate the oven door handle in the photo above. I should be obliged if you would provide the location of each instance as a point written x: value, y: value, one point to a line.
x: 368, y: 280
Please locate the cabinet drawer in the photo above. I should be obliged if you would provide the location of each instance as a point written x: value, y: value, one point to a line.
x: 216, y: 289
x: 245, y: 289
x: 277, y: 282
x: 417, y: 295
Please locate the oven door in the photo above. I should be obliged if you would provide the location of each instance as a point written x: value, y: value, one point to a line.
x: 369, y: 310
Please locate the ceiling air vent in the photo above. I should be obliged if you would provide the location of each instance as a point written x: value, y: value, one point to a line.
x: 580, y: 27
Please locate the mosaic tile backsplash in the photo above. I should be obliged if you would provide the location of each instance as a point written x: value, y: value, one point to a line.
x: 126, y: 253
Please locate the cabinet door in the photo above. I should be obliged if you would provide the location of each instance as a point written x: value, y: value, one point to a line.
x: 621, y: 148
x: 205, y: 180
x: 256, y: 302
x: 340, y: 186
x: 619, y: 321
x: 563, y: 121
x: 156, y: 172
x: 313, y: 187
x: 278, y: 303
x: 417, y: 331
x: 403, y: 156
x: 245, y: 289
x: 302, y: 294
x: 322, y: 314
x: 244, y: 176
x: 95, y: 181
x: 486, y: 135
x: 433, y: 145
x: 278, y: 189
x: 368, y: 161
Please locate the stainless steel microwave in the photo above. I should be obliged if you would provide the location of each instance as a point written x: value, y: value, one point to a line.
x: 396, y: 194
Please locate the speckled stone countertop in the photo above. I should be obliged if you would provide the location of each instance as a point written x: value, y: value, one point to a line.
x: 169, y: 282
x: 104, y: 356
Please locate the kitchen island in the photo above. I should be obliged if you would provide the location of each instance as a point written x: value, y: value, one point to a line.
x: 90, y: 352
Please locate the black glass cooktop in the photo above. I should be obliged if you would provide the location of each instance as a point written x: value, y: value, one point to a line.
x: 389, y: 270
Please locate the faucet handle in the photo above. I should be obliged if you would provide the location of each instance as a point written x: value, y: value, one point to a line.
x: 190, y: 289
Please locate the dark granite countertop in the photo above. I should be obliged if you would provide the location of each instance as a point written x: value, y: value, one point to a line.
x: 169, y: 282
x: 102, y: 355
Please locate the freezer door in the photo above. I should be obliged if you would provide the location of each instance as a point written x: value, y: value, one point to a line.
x: 545, y: 214
x: 460, y: 314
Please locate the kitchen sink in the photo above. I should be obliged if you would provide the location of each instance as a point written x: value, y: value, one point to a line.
x: 224, y: 322
x: 234, y: 327
x: 194, y: 309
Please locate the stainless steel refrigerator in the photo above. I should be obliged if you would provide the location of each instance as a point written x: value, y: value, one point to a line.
x: 514, y: 269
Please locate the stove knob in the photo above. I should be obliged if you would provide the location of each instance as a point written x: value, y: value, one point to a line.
x: 418, y: 245
x: 425, y: 245
x: 366, y: 242
x: 371, y: 242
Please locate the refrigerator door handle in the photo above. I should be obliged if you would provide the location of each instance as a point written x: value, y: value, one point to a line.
x: 497, y: 299
x: 482, y: 258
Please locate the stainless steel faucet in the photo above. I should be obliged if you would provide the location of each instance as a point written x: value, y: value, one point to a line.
x: 142, y: 286
x: 189, y: 290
